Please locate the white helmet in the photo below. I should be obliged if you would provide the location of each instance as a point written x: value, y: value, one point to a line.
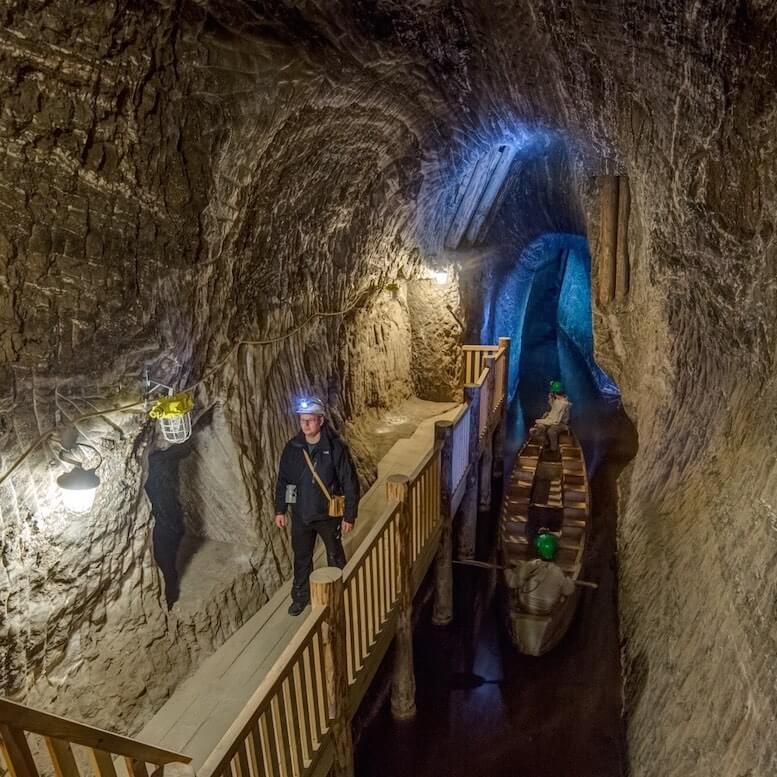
x: 311, y: 405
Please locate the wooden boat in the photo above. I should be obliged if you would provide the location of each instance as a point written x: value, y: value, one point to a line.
x: 550, y: 490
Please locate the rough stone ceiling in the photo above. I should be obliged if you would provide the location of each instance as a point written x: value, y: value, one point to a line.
x: 178, y: 175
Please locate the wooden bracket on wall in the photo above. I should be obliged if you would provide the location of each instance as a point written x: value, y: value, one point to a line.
x: 613, y: 254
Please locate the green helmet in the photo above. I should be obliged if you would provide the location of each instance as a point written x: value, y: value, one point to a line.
x: 556, y: 387
x: 546, y: 545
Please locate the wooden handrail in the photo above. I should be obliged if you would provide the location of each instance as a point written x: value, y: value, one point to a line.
x: 366, y: 545
x: 232, y: 741
x: 45, y: 724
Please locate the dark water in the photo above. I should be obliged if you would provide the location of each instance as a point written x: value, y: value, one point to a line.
x: 483, y: 708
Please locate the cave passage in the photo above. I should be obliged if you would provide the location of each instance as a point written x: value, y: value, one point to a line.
x: 483, y: 707
x: 173, y: 545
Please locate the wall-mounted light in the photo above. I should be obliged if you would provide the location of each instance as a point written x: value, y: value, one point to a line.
x: 78, y: 486
x: 174, y: 412
x: 441, y: 277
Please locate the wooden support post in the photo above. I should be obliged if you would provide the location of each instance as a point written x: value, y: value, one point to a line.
x: 326, y: 590
x: 469, y: 509
x: 442, y: 612
x: 486, y: 475
x: 622, y: 269
x: 403, y: 682
x: 501, y: 429
x: 608, y: 238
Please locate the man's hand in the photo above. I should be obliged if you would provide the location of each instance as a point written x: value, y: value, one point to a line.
x: 280, y: 520
x: 346, y: 527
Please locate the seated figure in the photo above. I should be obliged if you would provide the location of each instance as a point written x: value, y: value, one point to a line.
x: 541, y: 583
x: 556, y: 418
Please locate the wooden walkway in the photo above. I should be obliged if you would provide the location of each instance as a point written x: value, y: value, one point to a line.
x: 204, y: 706
x: 277, y: 699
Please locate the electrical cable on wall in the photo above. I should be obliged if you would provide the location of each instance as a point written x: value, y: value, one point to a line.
x: 212, y: 371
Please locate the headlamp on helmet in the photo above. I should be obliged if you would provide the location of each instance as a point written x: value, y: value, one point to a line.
x: 309, y: 405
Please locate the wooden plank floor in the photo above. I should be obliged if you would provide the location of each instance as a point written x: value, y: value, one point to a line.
x: 203, y: 707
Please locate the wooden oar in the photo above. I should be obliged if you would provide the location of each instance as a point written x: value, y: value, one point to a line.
x: 486, y: 565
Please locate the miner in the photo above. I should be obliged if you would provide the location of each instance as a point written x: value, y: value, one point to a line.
x: 317, y: 478
x: 556, y: 418
x: 541, y: 583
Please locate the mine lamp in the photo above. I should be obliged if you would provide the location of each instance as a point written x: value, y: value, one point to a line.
x: 78, y: 486
x: 441, y: 276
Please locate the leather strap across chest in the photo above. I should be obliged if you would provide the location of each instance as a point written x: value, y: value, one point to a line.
x: 315, y: 475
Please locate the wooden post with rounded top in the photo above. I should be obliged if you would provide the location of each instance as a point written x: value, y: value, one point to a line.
x: 608, y: 237
x: 442, y: 612
x: 469, y: 508
x: 403, y: 681
x: 326, y: 590
x: 501, y: 429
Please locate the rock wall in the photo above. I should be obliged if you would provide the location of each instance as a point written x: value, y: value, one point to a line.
x: 177, y: 177
x: 437, y: 329
x: 154, y: 211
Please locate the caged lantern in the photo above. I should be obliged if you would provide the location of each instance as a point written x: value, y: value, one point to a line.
x: 174, y: 413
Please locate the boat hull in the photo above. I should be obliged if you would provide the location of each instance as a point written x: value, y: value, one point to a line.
x: 549, y: 491
x: 534, y: 634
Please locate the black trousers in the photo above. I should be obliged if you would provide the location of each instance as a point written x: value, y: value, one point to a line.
x: 303, y: 541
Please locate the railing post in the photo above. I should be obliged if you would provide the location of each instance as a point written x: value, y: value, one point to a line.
x: 403, y: 682
x: 469, y: 508
x: 326, y: 590
x: 501, y: 429
x: 486, y: 459
x: 16, y: 752
x: 442, y: 612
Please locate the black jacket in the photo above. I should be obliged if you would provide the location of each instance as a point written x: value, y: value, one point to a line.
x: 333, y: 465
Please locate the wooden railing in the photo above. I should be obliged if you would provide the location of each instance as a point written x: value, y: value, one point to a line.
x: 283, y: 727
x: 485, y: 368
x: 500, y: 380
x: 460, y: 454
x: 371, y: 587
x: 74, y: 749
x: 474, y: 360
x: 297, y: 723
x: 425, y: 502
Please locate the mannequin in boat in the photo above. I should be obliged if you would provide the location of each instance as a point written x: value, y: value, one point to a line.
x: 556, y: 418
x: 541, y: 583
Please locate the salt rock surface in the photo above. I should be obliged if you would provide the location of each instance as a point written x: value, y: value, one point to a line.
x: 176, y: 178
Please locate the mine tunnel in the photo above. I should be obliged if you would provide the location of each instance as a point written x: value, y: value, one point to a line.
x: 386, y: 238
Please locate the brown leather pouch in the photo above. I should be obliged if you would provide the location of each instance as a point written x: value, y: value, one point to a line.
x: 336, y: 503
x: 337, y: 506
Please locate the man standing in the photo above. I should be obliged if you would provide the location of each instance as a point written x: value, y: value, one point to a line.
x: 315, y: 468
x: 557, y: 417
